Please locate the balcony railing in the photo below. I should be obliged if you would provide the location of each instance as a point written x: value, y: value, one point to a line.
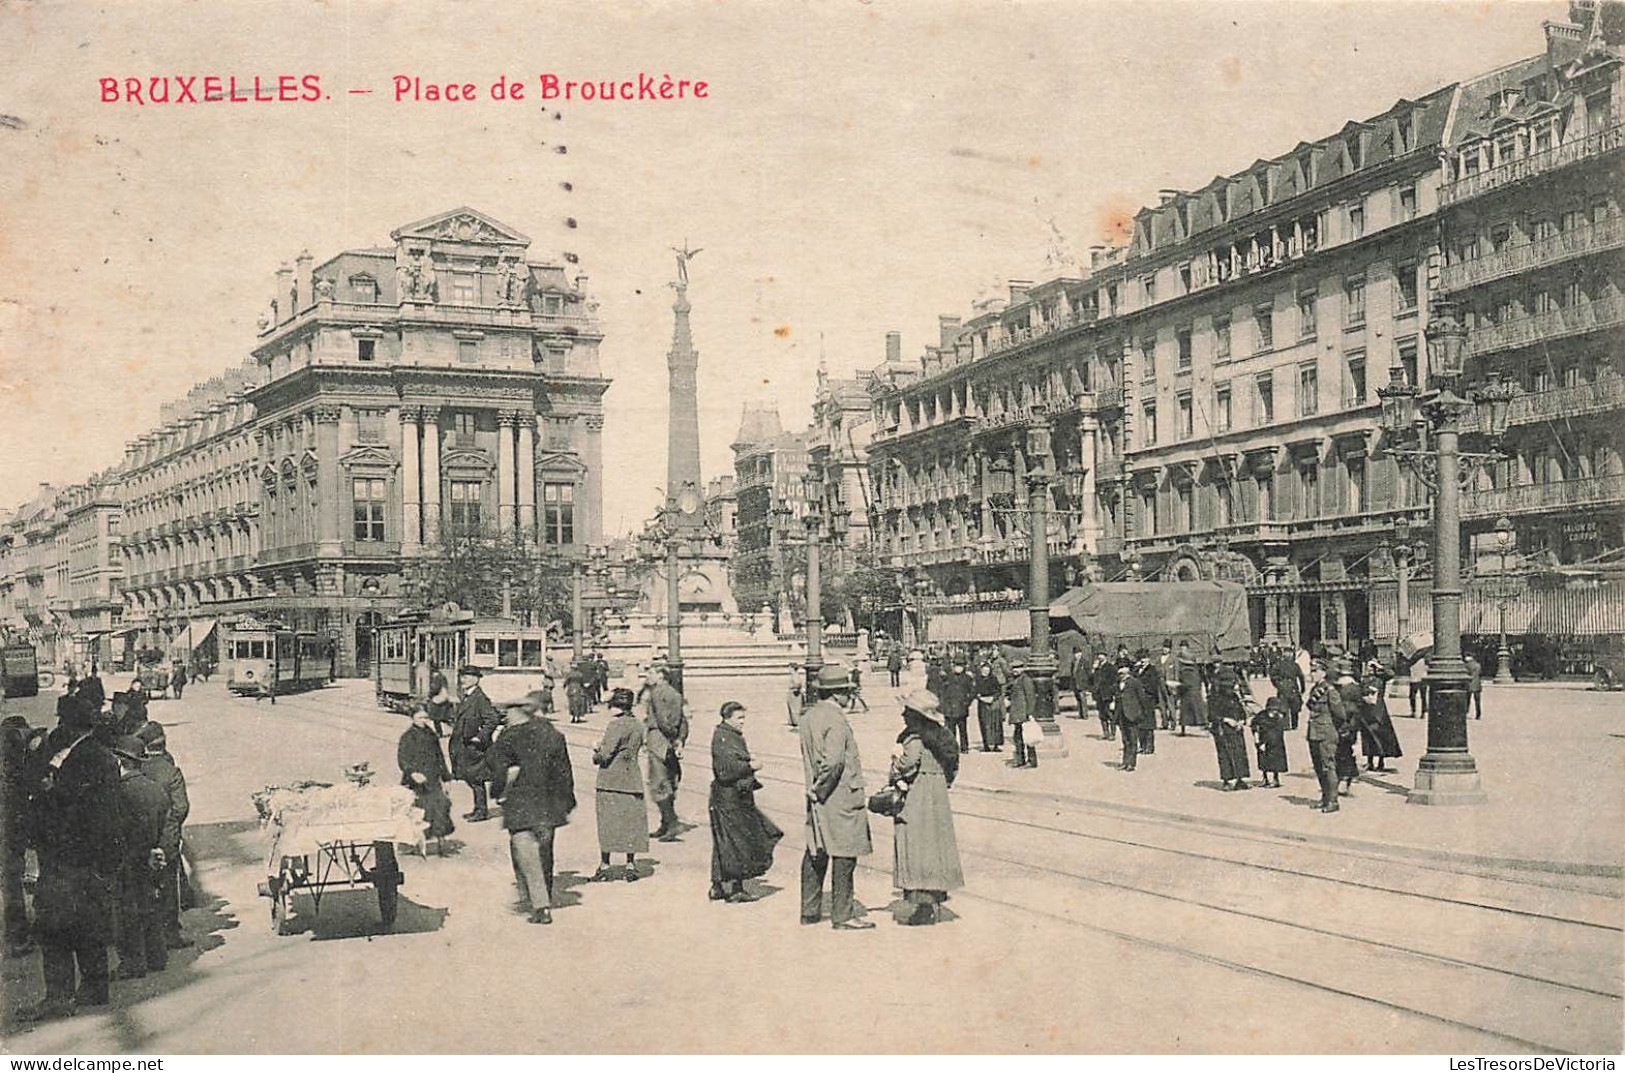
x: 1598, y: 396
x: 1535, y: 498
x: 1554, y: 324
x: 1554, y: 249
x: 1109, y: 398
x: 1514, y: 171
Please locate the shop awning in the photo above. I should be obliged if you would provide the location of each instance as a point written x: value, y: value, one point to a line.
x: 197, y: 631
x: 979, y: 626
x: 127, y: 631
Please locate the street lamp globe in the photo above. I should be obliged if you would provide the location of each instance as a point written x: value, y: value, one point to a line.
x: 1504, y: 532
x: 1398, y: 399
x: 1447, y: 341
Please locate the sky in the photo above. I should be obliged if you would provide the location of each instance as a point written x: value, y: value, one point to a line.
x: 857, y: 168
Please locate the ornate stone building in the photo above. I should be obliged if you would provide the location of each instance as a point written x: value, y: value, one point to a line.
x: 395, y: 396
x: 1212, y: 387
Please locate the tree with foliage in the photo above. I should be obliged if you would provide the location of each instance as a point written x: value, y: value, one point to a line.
x: 466, y: 567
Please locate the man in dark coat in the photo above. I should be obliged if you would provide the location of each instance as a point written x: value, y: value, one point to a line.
x: 1326, y: 714
x: 894, y: 664
x: 1287, y: 678
x: 472, y: 728
x: 958, y: 687
x: 74, y: 826
x: 92, y: 692
x: 1192, y: 705
x: 1167, y: 694
x: 530, y: 764
x: 143, y: 812
x: 1134, y: 711
x: 159, y: 766
x: 1023, y: 703
x: 1103, y: 683
x: 1150, y: 676
x: 1348, y: 730
x: 990, y: 709
x: 16, y: 798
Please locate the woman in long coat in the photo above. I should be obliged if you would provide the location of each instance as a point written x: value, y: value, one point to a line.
x: 623, y: 818
x: 1228, y: 718
x: 925, y: 863
x: 1269, y: 734
x: 1378, y: 741
x: 424, y: 772
x: 742, y: 839
x: 990, y: 707
x: 1192, y: 708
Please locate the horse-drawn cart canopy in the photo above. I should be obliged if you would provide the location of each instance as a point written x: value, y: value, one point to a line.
x: 1211, y: 615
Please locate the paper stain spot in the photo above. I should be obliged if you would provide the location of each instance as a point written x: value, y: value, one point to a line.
x: 1230, y: 71
x: 1114, y: 219
x: 1035, y: 161
x: 782, y: 331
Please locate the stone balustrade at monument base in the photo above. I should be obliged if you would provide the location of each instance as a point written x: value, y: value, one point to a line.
x: 715, y: 644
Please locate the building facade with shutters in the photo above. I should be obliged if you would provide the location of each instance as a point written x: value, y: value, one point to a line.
x: 397, y: 398
x: 1211, y: 388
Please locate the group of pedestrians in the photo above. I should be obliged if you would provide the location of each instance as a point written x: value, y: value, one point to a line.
x: 101, y: 803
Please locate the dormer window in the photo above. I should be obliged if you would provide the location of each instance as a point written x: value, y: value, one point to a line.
x: 363, y: 288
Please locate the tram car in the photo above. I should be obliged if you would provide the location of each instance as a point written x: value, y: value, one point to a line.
x: 265, y: 660
x: 414, y: 644
x: 19, y: 670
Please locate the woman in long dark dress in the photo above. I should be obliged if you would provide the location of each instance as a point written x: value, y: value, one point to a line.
x: 424, y: 772
x: 1269, y: 734
x: 1227, y: 719
x: 742, y: 839
x: 1378, y: 741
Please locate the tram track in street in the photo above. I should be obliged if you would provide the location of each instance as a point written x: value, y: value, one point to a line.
x: 363, y: 723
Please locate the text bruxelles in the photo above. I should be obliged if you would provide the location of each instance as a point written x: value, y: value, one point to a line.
x: 405, y: 89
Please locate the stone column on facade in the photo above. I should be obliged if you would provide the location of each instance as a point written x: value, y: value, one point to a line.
x: 527, y: 476
x: 431, y: 475
x: 985, y: 466
x: 411, y: 483
x: 506, y: 420
x: 1089, y: 524
x: 329, y: 538
x: 592, y: 489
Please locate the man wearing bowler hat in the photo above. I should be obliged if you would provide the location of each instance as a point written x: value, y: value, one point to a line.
x: 143, y: 811
x: 837, y: 807
x: 473, y: 725
x: 530, y: 765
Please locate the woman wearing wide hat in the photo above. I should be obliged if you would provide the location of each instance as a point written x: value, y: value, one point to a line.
x: 925, y: 864
x: 623, y: 816
x: 1228, y: 718
x: 742, y: 839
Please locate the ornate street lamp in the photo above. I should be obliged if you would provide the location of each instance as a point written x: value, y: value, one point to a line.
x: 1040, y: 659
x: 1505, y: 534
x: 812, y: 493
x: 1447, y: 773
x: 1402, y: 568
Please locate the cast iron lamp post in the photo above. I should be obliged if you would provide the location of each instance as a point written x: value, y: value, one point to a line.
x: 1447, y: 773
x: 1504, y: 534
x: 1040, y: 658
x: 677, y: 523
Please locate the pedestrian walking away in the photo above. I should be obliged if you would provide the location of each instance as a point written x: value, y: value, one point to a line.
x: 143, y: 811
x: 529, y: 771
x: 424, y: 772
x: 925, y: 861
x: 1475, y: 685
x: 742, y: 838
x: 623, y: 815
x: 665, y: 734
x: 894, y: 665
x: 1103, y: 683
x: 837, y: 829
x: 162, y: 769
x: 1348, y: 731
x: 1378, y: 741
x: 75, y: 829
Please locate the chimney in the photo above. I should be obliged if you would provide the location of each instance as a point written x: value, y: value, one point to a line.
x: 1095, y: 254
x: 1166, y: 197
x: 894, y: 347
x: 947, y: 331
x: 301, y: 281
x: 279, y: 297
x: 1018, y: 290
